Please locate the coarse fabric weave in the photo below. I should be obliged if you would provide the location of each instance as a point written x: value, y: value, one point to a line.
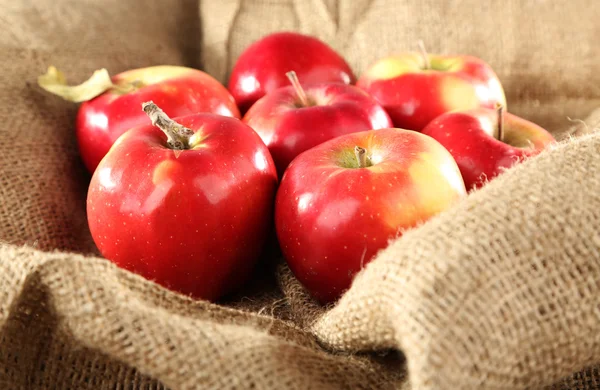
x: 499, y: 292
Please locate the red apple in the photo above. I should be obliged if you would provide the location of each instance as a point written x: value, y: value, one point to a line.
x: 484, y: 142
x: 113, y: 107
x: 190, y: 210
x: 341, y: 202
x: 262, y: 66
x: 291, y: 120
x: 417, y: 88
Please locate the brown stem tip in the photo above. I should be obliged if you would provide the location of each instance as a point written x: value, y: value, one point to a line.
x: 178, y: 136
x: 424, y: 54
x: 500, y: 119
x: 361, y: 156
x: 293, y: 77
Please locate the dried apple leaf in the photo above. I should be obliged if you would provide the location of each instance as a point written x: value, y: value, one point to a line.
x: 54, y: 81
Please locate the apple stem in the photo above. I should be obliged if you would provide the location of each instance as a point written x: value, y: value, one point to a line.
x: 424, y: 54
x: 361, y: 156
x: 178, y: 136
x: 293, y: 77
x: 500, y: 116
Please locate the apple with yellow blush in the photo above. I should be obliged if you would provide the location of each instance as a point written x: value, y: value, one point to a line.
x: 341, y: 202
x: 415, y: 88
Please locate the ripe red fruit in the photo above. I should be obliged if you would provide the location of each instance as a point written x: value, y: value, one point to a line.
x: 416, y: 88
x: 291, y: 120
x: 111, y: 105
x: 190, y: 210
x: 262, y: 66
x: 485, y: 142
x: 340, y: 202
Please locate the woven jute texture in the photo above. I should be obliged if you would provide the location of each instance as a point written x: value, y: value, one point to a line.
x: 499, y: 292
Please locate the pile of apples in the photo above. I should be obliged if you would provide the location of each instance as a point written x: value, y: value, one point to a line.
x: 185, y: 190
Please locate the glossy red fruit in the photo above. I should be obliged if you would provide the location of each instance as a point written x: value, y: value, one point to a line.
x: 261, y: 68
x: 416, y: 88
x: 178, y: 90
x: 193, y: 220
x: 342, y: 201
x: 291, y: 121
x: 481, y: 152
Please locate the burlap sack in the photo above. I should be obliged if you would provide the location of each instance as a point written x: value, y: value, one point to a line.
x: 499, y: 292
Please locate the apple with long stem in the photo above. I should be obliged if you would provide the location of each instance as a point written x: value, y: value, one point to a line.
x: 185, y: 202
x: 261, y: 67
x: 341, y: 202
x: 485, y: 142
x: 293, y: 119
x: 110, y: 105
x: 415, y: 88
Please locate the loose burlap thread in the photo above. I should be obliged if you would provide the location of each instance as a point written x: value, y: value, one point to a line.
x: 497, y: 293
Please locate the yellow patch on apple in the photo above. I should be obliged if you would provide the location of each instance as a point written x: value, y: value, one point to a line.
x: 457, y: 93
x: 395, y: 66
x: 165, y: 170
x: 153, y: 74
x: 436, y: 189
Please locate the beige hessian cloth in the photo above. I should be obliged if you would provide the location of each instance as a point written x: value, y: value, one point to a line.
x: 500, y: 292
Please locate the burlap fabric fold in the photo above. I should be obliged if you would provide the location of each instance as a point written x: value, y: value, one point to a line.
x: 500, y: 292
